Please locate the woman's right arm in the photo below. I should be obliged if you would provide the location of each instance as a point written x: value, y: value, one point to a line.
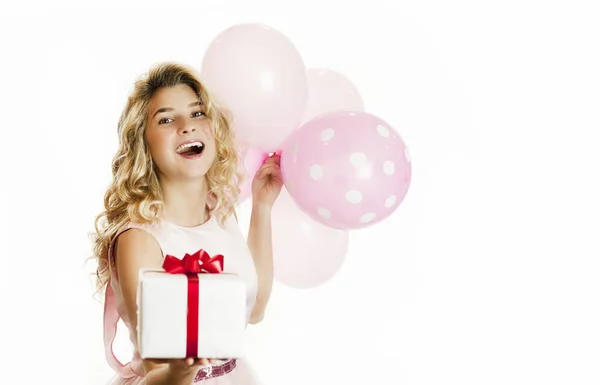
x: 136, y: 249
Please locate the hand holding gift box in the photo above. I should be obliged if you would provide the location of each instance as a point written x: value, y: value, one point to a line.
x: 191, y: 309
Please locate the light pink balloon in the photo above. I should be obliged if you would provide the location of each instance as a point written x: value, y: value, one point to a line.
x: 330, y: 91
x: 250, y: 161
x: 306, y: 254
x: 346, y: 170
x: 259, y: 75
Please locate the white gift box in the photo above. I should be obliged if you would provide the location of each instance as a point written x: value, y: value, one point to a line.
x: 162, y: 315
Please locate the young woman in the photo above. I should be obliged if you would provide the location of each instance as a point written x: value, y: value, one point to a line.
x: 174, y: 187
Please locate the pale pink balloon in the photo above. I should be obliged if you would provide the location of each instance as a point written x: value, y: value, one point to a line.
x: 330, y: 91
x: 346, y: 170
x: 250, y: 161
x: 258, y: 74
x: 306, y: 253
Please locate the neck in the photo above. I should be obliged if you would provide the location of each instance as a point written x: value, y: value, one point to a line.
x: 185, y: 201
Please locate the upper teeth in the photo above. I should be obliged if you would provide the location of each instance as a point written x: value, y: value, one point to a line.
x: 188, y: 145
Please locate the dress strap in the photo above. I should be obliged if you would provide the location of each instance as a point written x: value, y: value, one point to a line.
x: 111, y: 319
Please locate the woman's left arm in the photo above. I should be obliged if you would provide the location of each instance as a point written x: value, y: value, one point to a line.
x: 261, y: 246
x: 266, y: 186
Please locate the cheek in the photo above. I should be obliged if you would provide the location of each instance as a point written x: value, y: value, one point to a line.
x: 211, y: 145
x: 207, y: 130
x: 157, y: 145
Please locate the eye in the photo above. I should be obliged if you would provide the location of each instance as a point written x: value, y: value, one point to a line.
x: 159, y: 122
x: 197, y: 112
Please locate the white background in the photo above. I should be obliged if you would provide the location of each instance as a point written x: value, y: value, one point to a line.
x: 486, y: 274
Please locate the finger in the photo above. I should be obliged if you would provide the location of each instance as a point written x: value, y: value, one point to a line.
x: 271, y: 171
x: 157, y: 361
x: 259, y: 173
x: 277, y: 178
x: 204, y: 361
x: 273, y: 159
x: 264, y: 171
x: 269, y: 168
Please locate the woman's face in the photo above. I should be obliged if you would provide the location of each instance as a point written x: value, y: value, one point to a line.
x: 179, y: 135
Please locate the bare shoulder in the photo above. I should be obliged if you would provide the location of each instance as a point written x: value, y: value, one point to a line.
x: 137, y: 248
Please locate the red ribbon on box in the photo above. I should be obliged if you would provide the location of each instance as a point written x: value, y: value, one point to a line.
x: 191, y: 266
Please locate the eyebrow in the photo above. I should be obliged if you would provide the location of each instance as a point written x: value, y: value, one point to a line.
x: 166, y: 109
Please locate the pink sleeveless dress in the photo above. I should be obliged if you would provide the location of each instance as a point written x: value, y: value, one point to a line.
x: 177, y: 241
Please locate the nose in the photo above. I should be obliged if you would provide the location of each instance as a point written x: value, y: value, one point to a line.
x: 187, y: 128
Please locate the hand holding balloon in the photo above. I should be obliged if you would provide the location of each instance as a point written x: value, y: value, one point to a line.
x: 267, y: 182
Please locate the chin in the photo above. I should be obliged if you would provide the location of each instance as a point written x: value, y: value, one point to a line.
x: 186, y: 172
x: 197, y: 173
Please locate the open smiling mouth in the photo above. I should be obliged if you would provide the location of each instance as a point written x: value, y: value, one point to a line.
x: 191, y: 150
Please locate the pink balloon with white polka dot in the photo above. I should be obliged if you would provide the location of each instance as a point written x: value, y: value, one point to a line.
x: 346, y: 170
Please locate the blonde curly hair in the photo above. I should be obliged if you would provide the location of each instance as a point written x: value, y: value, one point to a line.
x: 135, y: 195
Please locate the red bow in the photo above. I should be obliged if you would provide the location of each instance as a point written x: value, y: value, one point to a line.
x: 191, y: 266
x: 199, y: 262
